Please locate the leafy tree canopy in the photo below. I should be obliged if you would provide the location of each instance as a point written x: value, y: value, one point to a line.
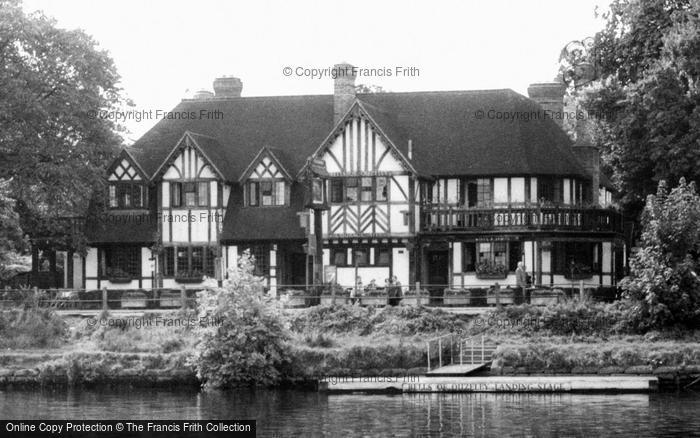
x: 10, y: 232
x: 647, y: 61
x: 51, y: 81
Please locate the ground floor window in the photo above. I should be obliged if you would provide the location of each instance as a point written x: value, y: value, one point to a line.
x: 188, y: 261
x: 361, y: 256
x: 577, y: 257
x: 504, y: 255
x: 121, y: 261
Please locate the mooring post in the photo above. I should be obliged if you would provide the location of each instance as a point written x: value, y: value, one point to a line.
x: 105, y: 305
x: 183, y: 297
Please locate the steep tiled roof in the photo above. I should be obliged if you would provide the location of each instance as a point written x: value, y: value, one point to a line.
x: 257, y: 223
x: 447, y: 134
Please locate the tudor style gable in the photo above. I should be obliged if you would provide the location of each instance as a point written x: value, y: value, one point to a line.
x: 127, y: 183
x: 359, y: 146
x: 192, y: 196
x: 371, y: 183
x: 265, y: 181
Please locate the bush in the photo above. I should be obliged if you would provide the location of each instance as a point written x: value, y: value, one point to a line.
x: 391, y: 320
x: 249, y: 346
x: 664, y: 285
x: 31, y: 328
x: 570, y: 317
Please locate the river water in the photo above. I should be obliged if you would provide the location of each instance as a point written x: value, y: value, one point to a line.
x: 282, y: 413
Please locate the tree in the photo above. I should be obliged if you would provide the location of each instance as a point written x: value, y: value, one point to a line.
x: 664, y: 286
x: 10, y: 232
x: 52, y: 146
x: 646, y: 95
x: 243, y: 338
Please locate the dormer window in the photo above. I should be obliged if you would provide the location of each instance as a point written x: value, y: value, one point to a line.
x: 126, y: 195
x: 190, y: 194
x: 266, y: 193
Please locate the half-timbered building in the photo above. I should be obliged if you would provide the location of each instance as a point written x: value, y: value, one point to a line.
x: 432, y: 187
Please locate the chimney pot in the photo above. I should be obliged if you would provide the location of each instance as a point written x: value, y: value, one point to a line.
x: 343, y: 89
x: 203, y: 95
x: 227, y: 86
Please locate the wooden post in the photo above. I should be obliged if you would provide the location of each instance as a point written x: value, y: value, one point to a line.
x: 183, y: 297
x: 460, y: 352
x: 105, y: 304
x: 440, y: 352
x: 418, y: 302
x: 497, y: 291
x: 472, y: 351
x: 427, y: 344
x: 581, y: 291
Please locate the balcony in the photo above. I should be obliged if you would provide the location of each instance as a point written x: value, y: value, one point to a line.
x: 436, y: 219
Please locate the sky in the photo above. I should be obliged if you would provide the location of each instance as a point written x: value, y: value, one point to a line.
x: 167, y: 50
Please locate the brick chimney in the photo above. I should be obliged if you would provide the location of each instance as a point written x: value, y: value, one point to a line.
x: 550, y: 96
x: 227, y: 87
x: 343, y: 90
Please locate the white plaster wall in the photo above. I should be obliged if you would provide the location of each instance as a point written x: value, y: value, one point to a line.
x: 91, y: 263
x: 400, y: 264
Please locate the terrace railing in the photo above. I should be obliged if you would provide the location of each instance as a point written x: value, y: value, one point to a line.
x: 301, y: 296
x: 455, y: 219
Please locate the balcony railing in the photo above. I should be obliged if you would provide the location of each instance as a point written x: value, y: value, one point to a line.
x: 454, y: 219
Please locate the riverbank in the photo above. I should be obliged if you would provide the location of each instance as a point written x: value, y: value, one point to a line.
x: 151, y: 350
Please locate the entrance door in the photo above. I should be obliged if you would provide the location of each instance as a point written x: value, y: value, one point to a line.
x: 437, y: 272
x: 298, y: 269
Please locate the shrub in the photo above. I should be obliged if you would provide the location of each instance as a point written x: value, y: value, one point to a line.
x: 570, y: 317
x: 664, y: 286
x: 391, y: 320
x: 249, y: 346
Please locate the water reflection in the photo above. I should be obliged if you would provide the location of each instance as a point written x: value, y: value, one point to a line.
x: 294, y: 413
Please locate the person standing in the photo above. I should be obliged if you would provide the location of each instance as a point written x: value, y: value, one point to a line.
x: 397, y: 290
x: 520, y: 282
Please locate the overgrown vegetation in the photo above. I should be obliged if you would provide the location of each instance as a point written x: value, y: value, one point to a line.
x: 31, y: 328
x: 366, y: 321
x: 155, y: 333
x: 570, y: 317
x: 542, y: 356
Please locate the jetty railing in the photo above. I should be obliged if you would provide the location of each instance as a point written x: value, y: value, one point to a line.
x: 450, y: 349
